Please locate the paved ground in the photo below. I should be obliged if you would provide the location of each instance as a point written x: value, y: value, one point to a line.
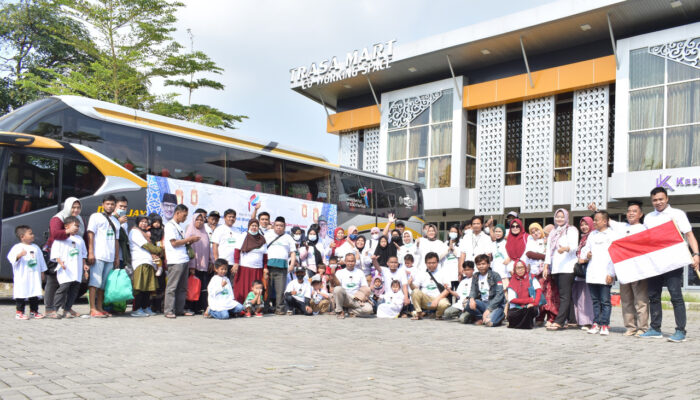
x: 322, y: 357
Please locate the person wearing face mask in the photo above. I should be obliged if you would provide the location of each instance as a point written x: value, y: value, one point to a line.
x: 478, y: 242
x: 347, y: 244
x: 298, y: 236
x: 408, y: 247
x: 312, y: 254
x: 374, y: 235
x: 534, y: 255
x: 431, y: 244
x: 450, y: 266
x: 396, y: 239
x: 363, y: 257
x: 559, y: 262
x: 250, y: 261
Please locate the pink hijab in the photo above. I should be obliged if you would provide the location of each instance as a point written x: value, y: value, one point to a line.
x: 201, y: 247
x: 559, y: 231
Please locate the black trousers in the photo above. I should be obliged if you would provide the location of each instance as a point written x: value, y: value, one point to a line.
x: 200, y: 305
x: 157, y: 299
x: 66, y: 295
x: 141, y: 300
x: 674, y: 282
x: 565, y: 283
x: 33, y: 304
x: 294, y: 305
x: 50, y: 292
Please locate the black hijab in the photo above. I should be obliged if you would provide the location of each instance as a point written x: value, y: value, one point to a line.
x: 156, y: 233
x: 312, y: 244
x: 383, y: 253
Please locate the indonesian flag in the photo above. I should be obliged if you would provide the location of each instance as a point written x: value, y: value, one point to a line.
x: 649, y: 253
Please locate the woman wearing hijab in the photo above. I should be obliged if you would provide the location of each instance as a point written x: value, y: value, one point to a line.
x: 71, y: 207
x: 451, y: 269
x: 559, y: 262
x: 142, y: 256
x: 580, y: 295
x: 500, y: 253
x: 347, y: 244
x: 313, y: 254
x: 374, y: 234
x: 524, y: 294
x: 249, y: 261
x: 535, y: 253
x: 383, y: 251
x: 515, y: 246
x: 156, y: 231
x: 408, y: 247
x: 363, y: 258
x: 199, y: 265
x: 430, y: 243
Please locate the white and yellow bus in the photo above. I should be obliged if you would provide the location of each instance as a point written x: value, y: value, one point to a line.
x: 72, y: 146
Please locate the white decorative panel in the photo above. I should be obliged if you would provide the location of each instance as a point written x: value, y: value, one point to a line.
x: 348, y: 148
x: 590, y: 148
x: 686, y: 51
x: 538, y: 155
x: 490, y: 160
x: 370, y: 159
x: 403, y: 111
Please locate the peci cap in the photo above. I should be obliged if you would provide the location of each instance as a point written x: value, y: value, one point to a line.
x: 169, y: 198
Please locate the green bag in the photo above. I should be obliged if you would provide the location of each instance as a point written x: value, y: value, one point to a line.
x: 118, y: 287
x: 119, y: 307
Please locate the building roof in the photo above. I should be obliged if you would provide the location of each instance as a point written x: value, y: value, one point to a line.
x: 544, y: 29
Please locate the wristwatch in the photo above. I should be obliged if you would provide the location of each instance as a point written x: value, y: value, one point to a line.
x: 696, y: 254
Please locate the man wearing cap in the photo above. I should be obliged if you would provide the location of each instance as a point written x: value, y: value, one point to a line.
x: 297, y: 296
x: 348, y: 294
x: 168, y: 206
x: 210, y: 227
x: 281, y: 259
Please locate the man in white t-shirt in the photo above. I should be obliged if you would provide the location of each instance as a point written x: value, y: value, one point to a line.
x: 351, y: 280
x: 225, y: 239
x: 103, y: 252
x: 175, y: 244
x: 476, y: 243
x: 281, y: 259
x: 297, y: 296
x: 427, y: 293
x: 391, y: 273
x: 673, y: 279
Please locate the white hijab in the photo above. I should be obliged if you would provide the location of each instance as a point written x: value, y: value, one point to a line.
x: 66, y: 212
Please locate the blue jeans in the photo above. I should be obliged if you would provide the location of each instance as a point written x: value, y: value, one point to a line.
x: 600, y: 295
x: 226, y: 314
x: 496, y: 315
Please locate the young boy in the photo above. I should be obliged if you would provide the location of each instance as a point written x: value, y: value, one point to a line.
x: 254, y: 302
x: 408, y: 261
x: 320, y: 299
x: 297, y: 296
x: 486, y: 299
x: 28, y: 268
x: 332, y: 265
x: 221, y: 302
x: 70, y: 255
x: 462, y: 293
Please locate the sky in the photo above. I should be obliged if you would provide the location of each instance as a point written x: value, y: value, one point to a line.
x: 257, y: 42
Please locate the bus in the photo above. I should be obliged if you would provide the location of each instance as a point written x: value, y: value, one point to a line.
x: 66, y: 146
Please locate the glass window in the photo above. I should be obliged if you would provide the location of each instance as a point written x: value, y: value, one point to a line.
x: 418, y: 142
x: 683, y: 103
x: 188, y: 160
x: 471, y: 140
x: 80, y: 179
x: 440, y: 172
x: 49, y: 126
x: 562, y: 140
x: 9, y: 122
x: 645, y: 69
x: 396, y: 169
x: 422, y: 118
x: 350, y: 194
x: 471, y: 154
x: 471, y: 172
x: 442, y: 108
x: 646, y: 150
x: 250, y: 171
x: 32, y: 184
x: 646, y: 108
x: 681, y: 72
x: 416, y: 171
x: 514, y: 135
x: 441, y: 139
x: 683, y: 146
x: 306, y: 182
x: 397, y: 145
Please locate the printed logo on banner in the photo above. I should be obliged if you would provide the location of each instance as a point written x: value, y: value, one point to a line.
x: 254, y: 201
x: 363, y: 193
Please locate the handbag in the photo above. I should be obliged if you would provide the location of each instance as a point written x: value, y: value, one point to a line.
x: 580, y: 270
x: 190, y: 251
x: 118, y: 287
x: 194, y: 287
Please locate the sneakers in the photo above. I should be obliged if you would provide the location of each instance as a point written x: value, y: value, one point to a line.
x: 20, y: 315
x: 594, y: 329
x: 604, y: 331
x: 247, y: 314
x: 651, y: 334
x: 677, y: 337
x: 139, y: 313
x: 258, y: 314
x: 36, y: 315
x: 149, y: 311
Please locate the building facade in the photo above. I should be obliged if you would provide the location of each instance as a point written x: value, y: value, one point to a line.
x: 557, y: 106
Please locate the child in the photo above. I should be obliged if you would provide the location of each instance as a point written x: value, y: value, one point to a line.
x: 28, y: 268
x: 393, y: 302
x: 297, y: 296
x: 221, y: 302
x: 332, y: 265
x: 320, y: 299
x: 461, y: 294
x: 408, y: 265
x: 70, y: 255
x: 254, y: 302
x: 377, y: 290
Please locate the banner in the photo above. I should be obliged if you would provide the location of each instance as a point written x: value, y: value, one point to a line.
x: 649, y: 253
x: 163, y: 194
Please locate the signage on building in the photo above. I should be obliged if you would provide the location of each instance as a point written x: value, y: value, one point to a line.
x: 357, y: 62
x: 672, y: 183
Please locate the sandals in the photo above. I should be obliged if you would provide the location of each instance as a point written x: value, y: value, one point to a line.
x: 74, y: 313
x: 554, y: 327
x: 97, y: 314
x: 170, y: 315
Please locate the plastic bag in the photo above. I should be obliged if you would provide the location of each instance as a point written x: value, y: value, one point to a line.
x: 194, y: 286
x: 118, y: 287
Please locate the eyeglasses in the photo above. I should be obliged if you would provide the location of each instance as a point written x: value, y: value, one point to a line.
x: 515, y: 226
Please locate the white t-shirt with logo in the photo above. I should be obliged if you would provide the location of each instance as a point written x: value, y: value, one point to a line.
x: 398, y: 275
x: 254, y: 258
x: 280, y: 248
x: 174, y: 255
x: 463, y: 290
x: 484, y: 287
x: 302, y: 289
x: 351, y: 281
x: 105, y: 236
x: 220, y: 297
x: 72, y: 252
x: 139, y: 255
x: 26, y: 272
x: 228, y: 240
x: 425, y: 283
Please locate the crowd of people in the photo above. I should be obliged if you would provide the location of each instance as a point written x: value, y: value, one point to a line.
x: 558, y: 276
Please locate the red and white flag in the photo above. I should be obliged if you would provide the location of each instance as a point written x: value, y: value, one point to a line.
x: 649, y: 253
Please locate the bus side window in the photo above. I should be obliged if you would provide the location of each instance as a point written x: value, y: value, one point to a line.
x: 32, y: 184
x: 80, y: 179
